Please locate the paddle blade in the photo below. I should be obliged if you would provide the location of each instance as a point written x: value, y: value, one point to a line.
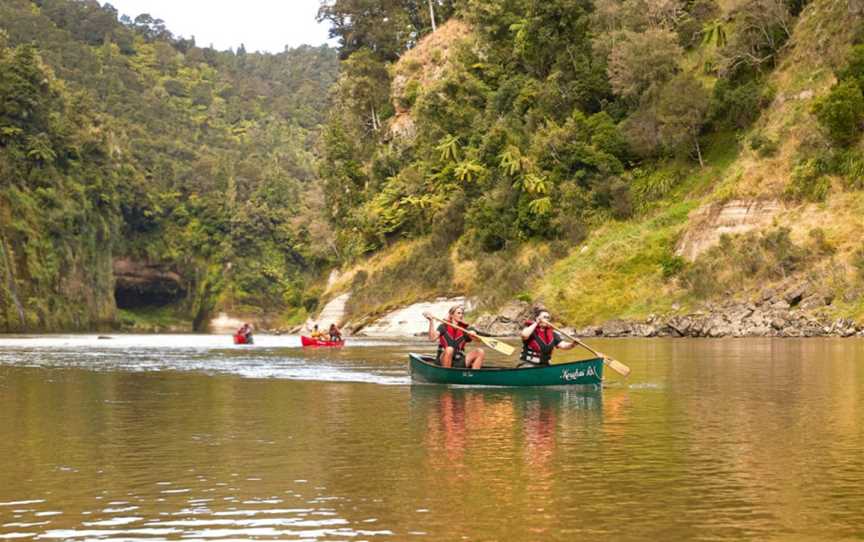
x: 617, y: 366
x: 497, y: 345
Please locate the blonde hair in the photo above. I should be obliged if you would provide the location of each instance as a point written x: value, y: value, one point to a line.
x: 453, y: 309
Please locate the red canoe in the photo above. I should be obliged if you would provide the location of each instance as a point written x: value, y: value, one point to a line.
x: 240, y: 339
x: 309, y: 341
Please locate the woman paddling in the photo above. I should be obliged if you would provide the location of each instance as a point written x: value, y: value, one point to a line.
x: 317, y: 334
x: 452, y: 341
x: 539, y: 340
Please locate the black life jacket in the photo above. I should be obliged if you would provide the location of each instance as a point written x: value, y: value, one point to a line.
x: 539, y: 346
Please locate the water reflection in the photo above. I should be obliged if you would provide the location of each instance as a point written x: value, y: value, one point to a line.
x: 719, y: 440
x: 523, y: 423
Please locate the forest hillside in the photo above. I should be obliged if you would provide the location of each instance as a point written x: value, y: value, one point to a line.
x: 608, y: 159
x: 147, y: 181
x: 614, y: 160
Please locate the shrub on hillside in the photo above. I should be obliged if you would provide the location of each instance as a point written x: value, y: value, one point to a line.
x: 854, y: 69
x: 858, y: 262
x: 738, y: 106
x: 672, y: 265
x: 763, y: 146
x: 821, y: 245
x: 614, y: 193
x: 841, y: 112
x: 654, y: 184
x: 850, y: 164
x: 759, y: 257
x: 809, y: 181
x: 410, y: 94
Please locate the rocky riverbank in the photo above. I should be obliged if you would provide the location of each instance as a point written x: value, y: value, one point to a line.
x: 792, y: 309
x: 797, y: 311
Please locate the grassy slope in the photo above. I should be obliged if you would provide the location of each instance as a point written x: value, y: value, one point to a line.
x: 618, y: 271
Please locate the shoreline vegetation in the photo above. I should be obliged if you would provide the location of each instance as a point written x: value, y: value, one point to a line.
x: 640, y: 167
x: 797, y: 312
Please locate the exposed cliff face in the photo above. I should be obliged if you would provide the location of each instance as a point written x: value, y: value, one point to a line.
x: 420, y: 67
x: 710, y: 222
x: 332, y: 313
x: 33, y: 297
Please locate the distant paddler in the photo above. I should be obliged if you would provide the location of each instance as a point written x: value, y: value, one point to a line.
x: 244, y: 334
x: 318, y: 334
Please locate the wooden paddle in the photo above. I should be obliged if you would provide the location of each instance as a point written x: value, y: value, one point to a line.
x: 494, y: 344
x: 613, y: 363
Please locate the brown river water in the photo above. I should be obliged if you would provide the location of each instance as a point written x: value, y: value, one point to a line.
x: 187, y: 437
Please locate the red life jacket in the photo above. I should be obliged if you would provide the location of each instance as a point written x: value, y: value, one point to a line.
x: 450, y: 336
x: 537, y: 349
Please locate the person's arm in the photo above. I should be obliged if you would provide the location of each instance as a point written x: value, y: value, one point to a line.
x: 528, y: 331
x: 433, y: 333
x: 477, y: 333
x: 562, y: 344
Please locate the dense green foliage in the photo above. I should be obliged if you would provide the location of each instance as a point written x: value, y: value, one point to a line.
x: 840, y: 114
x: 384, y: 27
x: 118, y: 139
x: 59, y: 200
x: 548, y: 119
x: 478, y: 154
x: 841, y: 111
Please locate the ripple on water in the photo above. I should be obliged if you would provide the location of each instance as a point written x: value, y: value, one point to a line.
x: 141, y: 358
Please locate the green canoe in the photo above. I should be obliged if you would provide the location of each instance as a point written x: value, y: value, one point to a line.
x: 588, y: 373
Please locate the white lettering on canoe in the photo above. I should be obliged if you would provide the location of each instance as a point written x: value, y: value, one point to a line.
x: 576, y: 374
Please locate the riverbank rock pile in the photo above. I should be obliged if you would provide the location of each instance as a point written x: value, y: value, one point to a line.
x: 798, y: 311
x: 507, y: 322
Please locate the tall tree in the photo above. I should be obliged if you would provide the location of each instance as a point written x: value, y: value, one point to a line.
x: 640, y: 60
x: 381, y: 26
x: 681, y: 111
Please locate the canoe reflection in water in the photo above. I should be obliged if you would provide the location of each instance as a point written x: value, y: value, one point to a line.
x: 514, y: 428
x: 499, y: 449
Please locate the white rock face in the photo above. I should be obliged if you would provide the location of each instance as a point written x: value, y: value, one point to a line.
x: 223, y: 323
x: 409, y: 321
x: 332, y: 313
x: 334, y: 276
x: 708, y: 223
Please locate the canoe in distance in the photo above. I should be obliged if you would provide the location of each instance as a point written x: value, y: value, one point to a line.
x: 242, y: 339
x: 309, y: 341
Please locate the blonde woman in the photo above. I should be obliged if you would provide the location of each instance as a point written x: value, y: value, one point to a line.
x: 452, y: 341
